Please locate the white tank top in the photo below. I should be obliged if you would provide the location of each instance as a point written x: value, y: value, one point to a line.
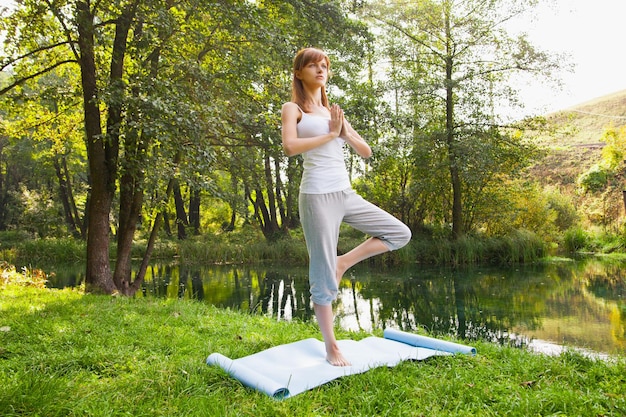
x: 324, y: 167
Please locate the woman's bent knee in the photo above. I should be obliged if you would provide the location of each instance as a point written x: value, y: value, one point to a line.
x: 401, y: 238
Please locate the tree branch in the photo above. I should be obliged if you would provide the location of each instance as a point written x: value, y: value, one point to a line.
x: 35, y: 75
x: 33, y: 52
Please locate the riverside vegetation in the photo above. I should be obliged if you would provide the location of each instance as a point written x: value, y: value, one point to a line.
x: 248, y: 246
x: 63, y: 352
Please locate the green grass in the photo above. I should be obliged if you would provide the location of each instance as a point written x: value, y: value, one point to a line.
x: 63, y: 353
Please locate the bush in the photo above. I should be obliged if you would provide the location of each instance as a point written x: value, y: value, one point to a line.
x: 9, y: 239
x: 575, y: 239
x: 562, y: 205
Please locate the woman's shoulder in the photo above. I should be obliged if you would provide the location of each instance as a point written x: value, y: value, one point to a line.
x: 291, y: 106
x: 291, y: 109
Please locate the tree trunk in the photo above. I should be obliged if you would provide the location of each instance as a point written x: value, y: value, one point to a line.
x: 269, y: 228
x: 131, y: 181
x: 141, y: 274
x: 291, y: 203
x: 3, y: 191
x: 269, y: 181
x: 166, y: 223
x: 79, y: 223
x: 232, y: 201
x: 181, y: 216
x: 457, y: 208
x: 98, y: 273
x: 131, y: 200
x: 194, y: 210
x: 64, y: 196
x: 279, y: 193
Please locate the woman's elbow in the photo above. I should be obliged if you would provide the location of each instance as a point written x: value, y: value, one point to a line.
x: 366, y: 152
x: 288, y: 150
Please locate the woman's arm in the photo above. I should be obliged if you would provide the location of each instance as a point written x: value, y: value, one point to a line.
x: 292, y: 144
x: 355, y: 140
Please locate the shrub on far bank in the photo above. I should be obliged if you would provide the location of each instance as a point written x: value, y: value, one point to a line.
x: 595, y: 240
x: 575, y: 239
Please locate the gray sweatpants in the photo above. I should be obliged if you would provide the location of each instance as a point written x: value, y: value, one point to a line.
x: 322, y: 214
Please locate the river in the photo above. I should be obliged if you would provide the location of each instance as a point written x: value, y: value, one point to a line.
x: 547, y: 307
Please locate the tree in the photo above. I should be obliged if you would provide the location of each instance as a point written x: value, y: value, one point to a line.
x: 42, y: 123
x: 164, y: 86
x: 457, y: 63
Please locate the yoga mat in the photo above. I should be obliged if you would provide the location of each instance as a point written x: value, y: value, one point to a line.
x: 288, y: 370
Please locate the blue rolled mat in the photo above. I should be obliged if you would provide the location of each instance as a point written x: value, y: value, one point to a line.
x: 427, y: 342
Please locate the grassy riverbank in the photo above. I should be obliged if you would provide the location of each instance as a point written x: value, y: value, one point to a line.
x: 248, y: 246
x: 65, y: 353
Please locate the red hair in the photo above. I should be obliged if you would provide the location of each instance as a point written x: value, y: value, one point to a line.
x: 303, y: 58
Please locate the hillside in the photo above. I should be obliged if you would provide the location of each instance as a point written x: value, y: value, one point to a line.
x: 576, y: 144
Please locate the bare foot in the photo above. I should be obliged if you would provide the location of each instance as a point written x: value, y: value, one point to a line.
x: 341, y: 269
x: 335, y: 357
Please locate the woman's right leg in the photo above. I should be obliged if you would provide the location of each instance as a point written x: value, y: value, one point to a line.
x: 388, y: 233
x: 321, y: 216
x: 371, y: 247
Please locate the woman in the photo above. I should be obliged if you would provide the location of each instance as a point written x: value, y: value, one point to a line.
x: 318, y: 131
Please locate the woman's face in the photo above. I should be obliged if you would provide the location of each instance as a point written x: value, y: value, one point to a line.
x: 314, y: 74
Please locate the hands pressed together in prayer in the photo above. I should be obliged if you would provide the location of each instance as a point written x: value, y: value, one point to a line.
x: 341, y: 128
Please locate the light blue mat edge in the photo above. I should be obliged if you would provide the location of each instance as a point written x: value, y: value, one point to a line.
x: 282, y: 386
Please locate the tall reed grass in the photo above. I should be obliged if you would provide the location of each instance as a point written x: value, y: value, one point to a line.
x: 50, y: 251
x: 243, y: 248
x: 249, y: 246
x: 519, y: 247
x: 575, y: 239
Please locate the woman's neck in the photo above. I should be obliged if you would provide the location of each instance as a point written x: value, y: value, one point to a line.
x: 314, y: 98
x: 314, y: 104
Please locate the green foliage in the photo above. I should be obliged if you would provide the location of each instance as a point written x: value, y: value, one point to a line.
x: 11, y: 238
x: 602, y: 185
x: 9, y: 242
x: 595, y: 240
x: 40, y: 214
x: 615, y: 150
x: 564, y: 208
x: 208, y: 116
x: 521, y: 205
x: 444, y: 154
x: 516, y: 247
x: 594, y: 180
x: 163, y: 249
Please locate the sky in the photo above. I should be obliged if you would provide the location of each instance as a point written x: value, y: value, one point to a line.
x: 591, y: 32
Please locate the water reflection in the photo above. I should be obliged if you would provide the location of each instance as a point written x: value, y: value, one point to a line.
x: 576, y: 304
